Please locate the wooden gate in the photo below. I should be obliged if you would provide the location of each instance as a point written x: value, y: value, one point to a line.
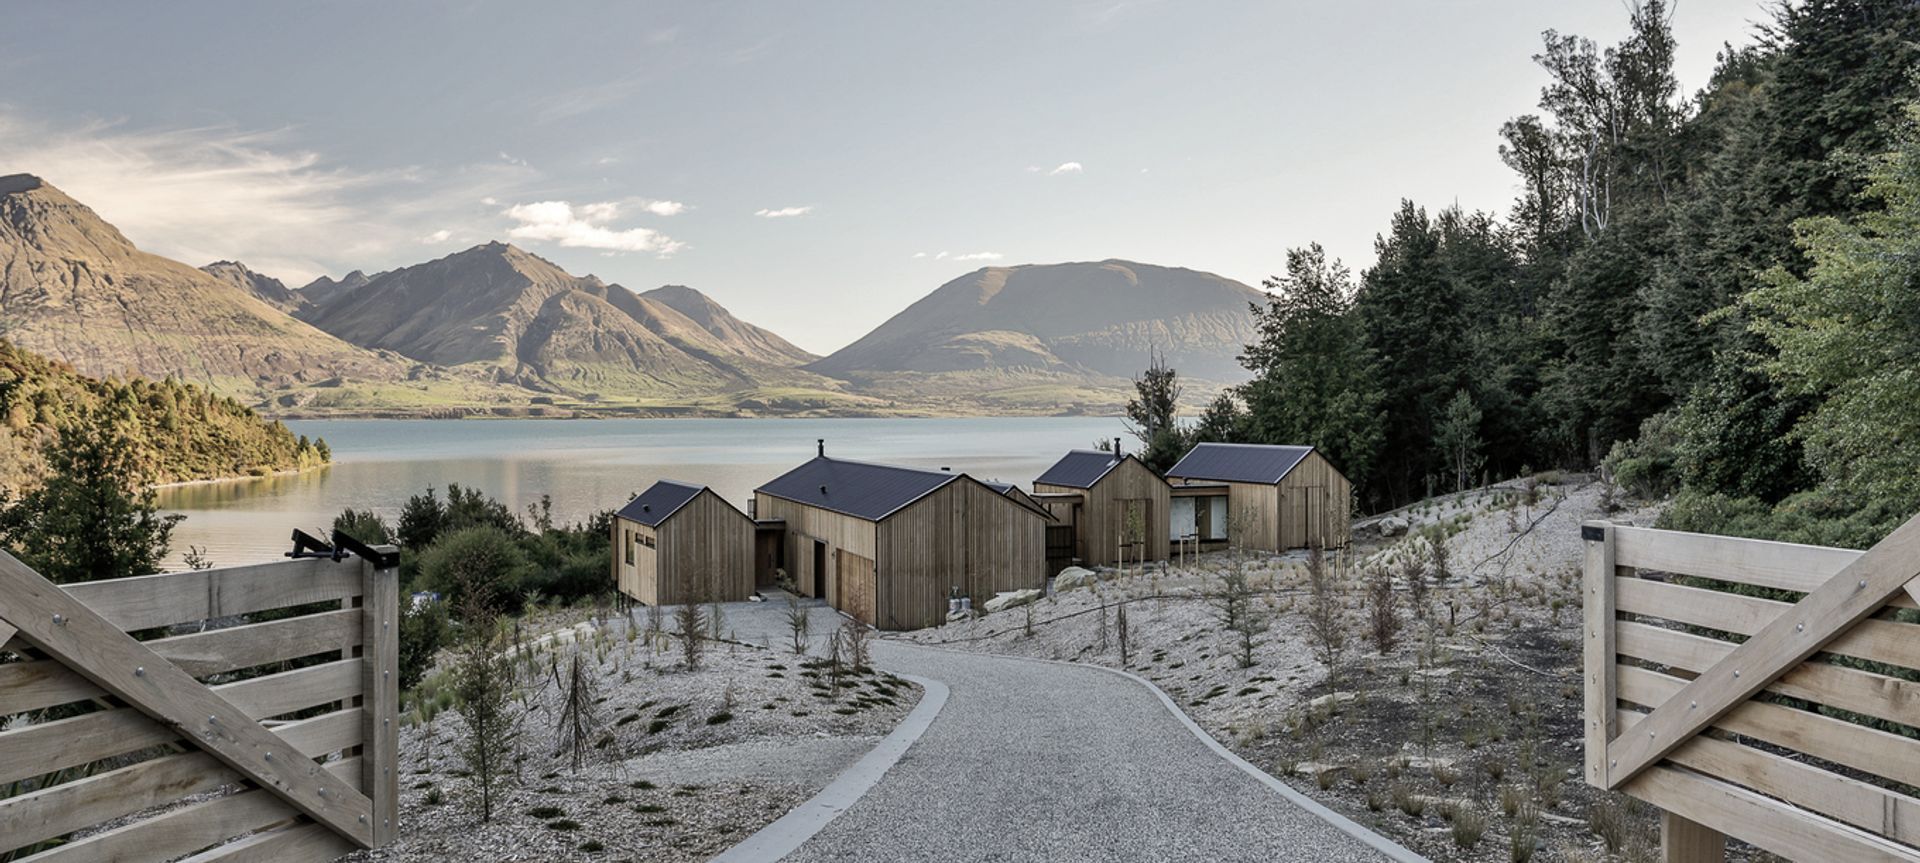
x: 156, y: 704
x: 859, y: 586
x: 1760, y: 690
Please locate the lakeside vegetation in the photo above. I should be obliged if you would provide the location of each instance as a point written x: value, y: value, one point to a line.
x: 172, y: 431
x: 1708, y: 297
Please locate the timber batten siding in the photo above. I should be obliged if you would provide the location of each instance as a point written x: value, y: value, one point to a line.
x: 887, y: 545
x: 678, y: 543
x: 1288, y: 496
x: 1093, y: 492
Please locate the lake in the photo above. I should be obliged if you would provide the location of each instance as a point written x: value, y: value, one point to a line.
x: 586, y: 465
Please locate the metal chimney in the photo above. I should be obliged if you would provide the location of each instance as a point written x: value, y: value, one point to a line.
x: 1116, y: 448
x: 821, y: 443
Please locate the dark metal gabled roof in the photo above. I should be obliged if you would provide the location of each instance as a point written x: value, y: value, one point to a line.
x: 858, y: 489
x: 660, y: 500
x: 1239, y: 462
x: 1013, y: 492
x: 1080, y: 468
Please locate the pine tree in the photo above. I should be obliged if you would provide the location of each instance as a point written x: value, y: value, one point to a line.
x: 95, y: 515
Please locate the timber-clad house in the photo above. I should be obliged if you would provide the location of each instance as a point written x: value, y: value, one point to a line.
x: 1108, y: 508
x: 888, y: 545
x: 1285, y: 496
x: 679, y: 542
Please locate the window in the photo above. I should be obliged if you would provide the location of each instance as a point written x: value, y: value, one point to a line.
x: 629, y: 546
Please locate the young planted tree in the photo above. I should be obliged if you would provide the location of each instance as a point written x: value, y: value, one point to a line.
x: 857, y: 638
x: 579, y: 711
x: 1239, y: 614
x: 799, y: 624
x: 1120, y: 632
x: 1383, y: 608
x: 690, y: 619
x: 483, y: 681
x: 1326, y: 619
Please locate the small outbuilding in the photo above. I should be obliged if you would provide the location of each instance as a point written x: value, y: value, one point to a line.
x: 1285, y: 496
x: 888, y: 545
x: 1112, y: 506
x: 678, y: 542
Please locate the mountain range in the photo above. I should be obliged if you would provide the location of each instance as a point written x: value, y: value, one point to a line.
x: 497, y: 329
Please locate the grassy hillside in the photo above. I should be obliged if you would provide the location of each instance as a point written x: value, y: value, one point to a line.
x: 183, y: 431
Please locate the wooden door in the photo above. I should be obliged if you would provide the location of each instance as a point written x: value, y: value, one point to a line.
x: 859, y: 587
x: 1060, y: 547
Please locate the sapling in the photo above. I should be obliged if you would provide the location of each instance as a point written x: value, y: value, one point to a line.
x: 579, y: 713
x: 799, y: 622
x: 483, y: 680
x: 690, y: 619
x: 1120, y: 631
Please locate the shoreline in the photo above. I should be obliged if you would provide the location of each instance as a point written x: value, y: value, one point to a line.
x: 241, y: 478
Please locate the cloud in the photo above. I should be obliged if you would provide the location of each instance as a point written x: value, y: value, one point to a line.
x: 584, y: 227
x: 783, y: 212
x: 919, y: 254
x: 663, y: 208
x: 1067, y: 168
x: 979, y: 256
x: 436, y: 237
x: 512, y: 160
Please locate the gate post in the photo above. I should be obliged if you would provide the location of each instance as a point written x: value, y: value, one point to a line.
x: 380, y: 705
x: 1600, y: 657
x: 1684, y: 841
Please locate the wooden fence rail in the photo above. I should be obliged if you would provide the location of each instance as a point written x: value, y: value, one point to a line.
x: 234, y: 714
x: 1760, y: 690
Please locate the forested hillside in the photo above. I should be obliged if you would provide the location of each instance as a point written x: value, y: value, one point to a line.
x: 1710, y: 296
x: 177, y: 431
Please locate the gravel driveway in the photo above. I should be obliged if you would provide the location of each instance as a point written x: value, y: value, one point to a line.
x: 1038, y: 761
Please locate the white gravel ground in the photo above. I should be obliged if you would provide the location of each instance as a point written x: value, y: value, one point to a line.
x: 667, y: 778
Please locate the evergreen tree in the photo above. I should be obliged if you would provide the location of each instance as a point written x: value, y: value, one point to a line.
x: 1153, y: 416
x: 1313, y: 375
x: 95, y: 516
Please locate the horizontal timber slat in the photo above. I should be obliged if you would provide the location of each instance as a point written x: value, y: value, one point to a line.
x: 1869, y: 750
x: 1778, y: 565
x: 174, y: 833
x: 44, y: 683
x: 1770, y: 824
x: 1876, y: 695
x: 148, y: 601
x: 303, y: 843
x: 1877, y: 640
x: 1861, y: 804
x: 37, y: 750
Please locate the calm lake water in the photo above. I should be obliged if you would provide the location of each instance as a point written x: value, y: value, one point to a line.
x: 586, y: 465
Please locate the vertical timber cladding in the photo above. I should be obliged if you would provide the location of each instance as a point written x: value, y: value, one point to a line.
x: 806, y: 525
x: 1315, y: 503
x: 965, y: 536
x: 1102, y: 517
x: 858, y: 582
x: 704, y: 551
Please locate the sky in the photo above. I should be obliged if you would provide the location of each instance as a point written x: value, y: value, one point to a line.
x: 815, y: 167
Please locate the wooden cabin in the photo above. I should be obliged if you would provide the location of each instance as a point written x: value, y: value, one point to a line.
x: 888, y: 545
x: 1288, y: 496
x: 1097, y: 497
x: 678, y: 543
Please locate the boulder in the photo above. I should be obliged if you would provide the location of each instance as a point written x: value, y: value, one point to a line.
x: 1010, y: 599
x: 1072, y: 577
x: 1392, y: 525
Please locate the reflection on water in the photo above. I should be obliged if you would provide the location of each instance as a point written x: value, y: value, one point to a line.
x: 586, y: 465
